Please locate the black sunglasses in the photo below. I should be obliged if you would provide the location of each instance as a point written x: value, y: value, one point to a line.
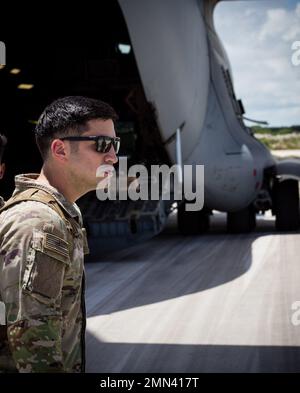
x: 103, y: 142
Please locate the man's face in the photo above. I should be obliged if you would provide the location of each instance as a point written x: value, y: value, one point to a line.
x: 84, y: 160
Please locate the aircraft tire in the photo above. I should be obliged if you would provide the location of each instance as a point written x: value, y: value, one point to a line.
x: 241, y: 221
x: 192, y: 222
x: 286, y: 205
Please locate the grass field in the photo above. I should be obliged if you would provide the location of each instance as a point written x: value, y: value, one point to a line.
x: 278, y: 138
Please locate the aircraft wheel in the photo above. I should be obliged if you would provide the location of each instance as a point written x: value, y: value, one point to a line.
x: 286, y: 205
x: 242, y: 221
x: 192, y: 222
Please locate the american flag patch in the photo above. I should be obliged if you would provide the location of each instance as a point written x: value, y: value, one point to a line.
x: 56, y: 244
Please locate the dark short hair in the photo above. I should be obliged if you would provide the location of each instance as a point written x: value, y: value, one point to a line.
x: 68, y: 116
x: 3, y: 142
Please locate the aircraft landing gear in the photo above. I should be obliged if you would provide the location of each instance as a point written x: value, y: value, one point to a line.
x: 286, y: 205
x: 192, y: 222
x: 242, y: 221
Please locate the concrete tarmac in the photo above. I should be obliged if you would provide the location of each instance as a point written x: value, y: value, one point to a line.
x: 207, y: 303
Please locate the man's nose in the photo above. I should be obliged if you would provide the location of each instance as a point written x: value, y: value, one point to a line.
x: 111, y: 157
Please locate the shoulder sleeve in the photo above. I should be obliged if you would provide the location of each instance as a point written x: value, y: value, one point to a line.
x: 34, y: 250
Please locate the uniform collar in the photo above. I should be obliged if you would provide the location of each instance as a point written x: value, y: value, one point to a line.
x: 28, y: 180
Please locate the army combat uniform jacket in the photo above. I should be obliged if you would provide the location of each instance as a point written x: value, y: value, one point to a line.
x: 42, y: 245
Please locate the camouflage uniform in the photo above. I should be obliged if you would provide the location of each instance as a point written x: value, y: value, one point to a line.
x: 42, y: 280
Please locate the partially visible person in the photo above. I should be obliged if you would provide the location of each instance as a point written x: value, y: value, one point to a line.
x: 4, y: 355
x: 3, y: 142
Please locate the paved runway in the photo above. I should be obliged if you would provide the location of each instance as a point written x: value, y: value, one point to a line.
x: 213, y: 303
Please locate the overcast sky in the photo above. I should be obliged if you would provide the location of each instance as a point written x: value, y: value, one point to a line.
x: 258, y: 36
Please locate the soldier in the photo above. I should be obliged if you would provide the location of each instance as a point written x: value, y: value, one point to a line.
x: 42, y: 240
x: 3, y: 142
x: 3, y: 341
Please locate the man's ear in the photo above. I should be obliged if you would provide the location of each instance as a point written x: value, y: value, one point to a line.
x: 2, y: 170
x: 59, y: 150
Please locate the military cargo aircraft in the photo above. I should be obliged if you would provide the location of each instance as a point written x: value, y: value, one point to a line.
x: 161, y: 64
